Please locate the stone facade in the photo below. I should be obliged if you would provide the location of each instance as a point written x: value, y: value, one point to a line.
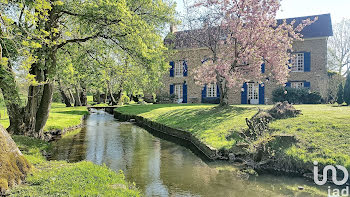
x: 313, y: 77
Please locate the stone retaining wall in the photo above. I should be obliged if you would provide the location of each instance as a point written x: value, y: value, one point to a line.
x: 209, y: 152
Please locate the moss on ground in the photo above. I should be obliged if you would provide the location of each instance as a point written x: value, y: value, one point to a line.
x: 13, y: 166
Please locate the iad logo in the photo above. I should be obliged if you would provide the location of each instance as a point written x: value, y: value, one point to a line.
x: 332, y: 192
x: 334, y: 174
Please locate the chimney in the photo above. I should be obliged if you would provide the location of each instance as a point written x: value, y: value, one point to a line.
x: 173, y: 28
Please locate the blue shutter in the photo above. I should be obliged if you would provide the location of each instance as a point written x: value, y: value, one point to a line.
x: 217, y: 91
x: 244, y: 94
x: 261, y: 94
x: 306, y: 84
x: 171, y: 89
x: 204, y: 92
x: 289, y: 62
x: 172, y: 64
x: 307, y: 61
x: 288, y: 84
x: 263, y: 68
x: 184, y: 88
x: 185, y: 68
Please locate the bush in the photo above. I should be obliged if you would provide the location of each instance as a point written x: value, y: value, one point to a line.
x: 347, y: 90
x: 340, y: 94
x: 296, y: 95
x: 211, y: 100
x: 124, y: 99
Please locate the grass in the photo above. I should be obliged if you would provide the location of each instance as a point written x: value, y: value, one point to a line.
x: 60, y: 117
x: 323, y: 131
x: 207, y: 122
x: 59, y: 178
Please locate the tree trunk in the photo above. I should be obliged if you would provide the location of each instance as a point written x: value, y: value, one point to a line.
x: 83, y: 97
x: 71, y: 96
x: 98, y: 97
x: 77, y: 98
x: 222, y: 84
x: 64, y: 96
x: 113, y: 101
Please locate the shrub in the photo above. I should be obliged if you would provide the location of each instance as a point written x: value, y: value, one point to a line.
x: 340, y: 94
x: 347, y: 90
x: 213, y: 100
x: 296, y: 95
x: 124, y: 99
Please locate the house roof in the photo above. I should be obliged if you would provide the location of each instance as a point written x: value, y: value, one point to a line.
x: 320, y: 28
x: 189, y: 38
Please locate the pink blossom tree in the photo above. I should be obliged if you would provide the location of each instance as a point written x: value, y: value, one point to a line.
x: 242, y: 35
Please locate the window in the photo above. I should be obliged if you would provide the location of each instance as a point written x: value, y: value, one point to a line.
x: 178, y: 91
x: 211, y: 90
x: 253, y: 91
x: 179, y: 69
x: 298, y: 62
x: 297, y: 84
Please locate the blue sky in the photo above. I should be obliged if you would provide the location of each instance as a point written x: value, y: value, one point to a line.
x: 293, y: 8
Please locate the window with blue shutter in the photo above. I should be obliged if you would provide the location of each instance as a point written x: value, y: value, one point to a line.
x: 263, y: 68
x: 185, y: 68
x: 288, y: 84
x: 204, y: 93
x: 307, y: 61
x: 244, y: 94
x: 261, y: 94
x: 171, y: 89
x: 172, y: 64
x: 306, y: 84
x: 184, y: 91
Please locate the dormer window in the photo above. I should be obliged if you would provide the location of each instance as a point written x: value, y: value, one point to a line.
x: 298, y: 62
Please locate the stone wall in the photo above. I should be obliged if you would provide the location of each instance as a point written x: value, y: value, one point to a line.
x: 317, y: 76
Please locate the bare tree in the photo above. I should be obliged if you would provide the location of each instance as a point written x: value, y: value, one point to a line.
x: 339, y: 48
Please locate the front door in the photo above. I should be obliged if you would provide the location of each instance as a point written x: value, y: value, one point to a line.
x: 253, y: 93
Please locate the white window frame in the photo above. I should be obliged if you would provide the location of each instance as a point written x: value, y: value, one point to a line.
x: 178, y: 69
x: 253, y: 94
x: 178, y: 91
x: 297, y: 84
x: 298, y: 62
x: 212, y: 90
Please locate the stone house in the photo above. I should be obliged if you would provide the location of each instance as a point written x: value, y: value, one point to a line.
x: 308, y: 67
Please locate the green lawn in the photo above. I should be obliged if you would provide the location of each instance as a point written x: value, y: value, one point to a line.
x: 60, y: 117
x: 207, y: 122
x: 59, y: 178
x: 323, y: 131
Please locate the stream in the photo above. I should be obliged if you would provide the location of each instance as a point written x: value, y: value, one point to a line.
x: 160, y: 167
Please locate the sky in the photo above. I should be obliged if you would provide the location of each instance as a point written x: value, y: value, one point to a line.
x: 294, y: 8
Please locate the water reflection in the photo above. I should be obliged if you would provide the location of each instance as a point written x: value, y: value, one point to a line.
x: 162, y: 168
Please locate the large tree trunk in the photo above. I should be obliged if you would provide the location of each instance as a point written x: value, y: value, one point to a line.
x: 63, y: 95
x: 77, y: 98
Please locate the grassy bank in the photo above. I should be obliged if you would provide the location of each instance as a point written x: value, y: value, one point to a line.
x: 206, y: 122
x: 59, y: 178
x: 60, y: 117
x: 322, y: 130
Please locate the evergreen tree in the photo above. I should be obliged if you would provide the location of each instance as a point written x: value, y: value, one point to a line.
x: 347, y: 90
x: 340, y: 94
